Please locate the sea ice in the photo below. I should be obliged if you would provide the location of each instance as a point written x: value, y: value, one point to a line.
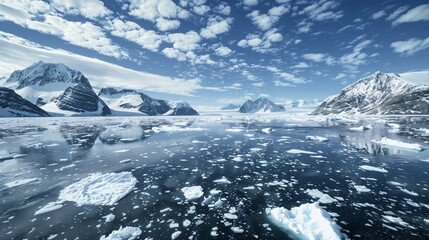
x: 223, y: 180
x: 317, y: 138
x: 361, y: 188
x: 371, y: 168
x: 323, y: 198
x: 20, y: 182
x: 297, y: 151
x: 52, y: 206
x: 396, y: 220
x: 308, y: 221
x: 99, y: 189
x: 193, y: 192
x: 175, y: 235
x: 128, y: 233
x: 399, y: 144
x: 358, y: 129
x: 110, y: 217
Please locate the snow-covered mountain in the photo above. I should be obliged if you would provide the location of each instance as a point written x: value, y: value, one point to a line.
x: 57, y: 89
x: 13, y: 105
x: 379, y: 93
x: 260, y: 105
x: 231, y: 107
x: 132, y: 102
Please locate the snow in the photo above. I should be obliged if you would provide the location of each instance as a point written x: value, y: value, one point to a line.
x: 308, y: 221
x: 317, y: 138
x: 323, y: 198
x: 297, y: 151
x: 20, y: 182
x: 399, y: 144
x: 193, y: 192
x: 99, y: 189
x: 371, y: 168
x: 128, y: 233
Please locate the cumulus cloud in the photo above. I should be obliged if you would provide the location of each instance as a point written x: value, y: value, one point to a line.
x: 166, y: 25
x: 266, y: 21
x: 419, y: 13
x: 100, y: 73
x: 221, y: 50
x: 410, y: 46
x: 87, y: 8
x: 261, y: 43
x: 135, y: 33
x: 250, y: 2
x: 320, y: 57
x: 216, y: 26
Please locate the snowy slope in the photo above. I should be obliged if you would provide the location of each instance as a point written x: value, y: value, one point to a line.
x: 57, y: 89
x: 13, y: 105
x: 260, y: 105
x: 128, y: 101
x: 379, y: 93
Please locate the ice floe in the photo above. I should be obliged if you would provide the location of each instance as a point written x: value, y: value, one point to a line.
x: 322, y: 197
x: 297, y: 151
x: 308, y: 221
x: 193, y: 192
x: 99, y: 189
x: 128, y: 233
x: 362, y: 189
x: 399, y: 144
x: 20, y: 182
x: 317, y: 138
x: 52, y: 206
x: 371, y: 168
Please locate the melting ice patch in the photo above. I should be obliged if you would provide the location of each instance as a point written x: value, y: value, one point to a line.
x: 193, y: 192
x: 371, y: 168
x: 167, y: 128
x: 297, y: 151
x: 399, y: 144
x: 317, y: 138
x: 128, y: 233
x: 99, y: 189
x: 323, y: 198
x: 308, y: 221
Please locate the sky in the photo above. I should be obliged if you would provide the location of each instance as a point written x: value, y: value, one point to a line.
x: 212, y: 53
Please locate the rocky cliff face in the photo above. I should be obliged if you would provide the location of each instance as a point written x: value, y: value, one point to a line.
x: 136, y: 102
x: 13, y: 105
x: 379, y: 93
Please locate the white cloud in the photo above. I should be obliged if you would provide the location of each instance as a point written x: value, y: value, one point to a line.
x: 202, y: 9
x: 266, y: 21
x: 222, y: 50
x: 378, y: 14
x: 279, y: 83
x: 224, y: 9
x: 185, y: 41
x: 410, y: 46
x: 216, y: 26
x: 40, y: 17
x: 262, y: 43
x: 320, y: 57
x: 323, y: 10
x: 87, y: 8
x: 133, y: 32
x: 301, y: 65
x: 285, y: 76
x: 356, y: 57
x: 340, y: 76
x: 250, y: 2
x: 419, y: 13
x: 100, y: 73
x: 166, y: 25
x: 258, y: 84
x: 396, y: 13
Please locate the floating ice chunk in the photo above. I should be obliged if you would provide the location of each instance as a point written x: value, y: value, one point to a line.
x: 393, y: 125
x: 358, y: 129
x: 52, y: 206
x: 235, y: 130
x: 223, y: 180
x: 175, y: 235
x: 166, y: 128
x: 122, y: 150
x: 186, y: 223
x: 99, y: 189
x: 362, y: 189
x: 297, y: 151
x: 20, y: 182
x: 323, y: 198
x: 317, y: 138
x: 193, y: 192
x: 128, y: 233
x: 110, y: 217
x: 399, y: 144
x: 371, y: 168
x: 230, y: 216
x: 308, y: 221
x: 237, y: 230
x: 396, y: 220
x: 267, y: 130
x: 408, y: 192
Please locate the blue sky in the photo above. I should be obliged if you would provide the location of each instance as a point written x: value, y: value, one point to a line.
x: 211, y: 53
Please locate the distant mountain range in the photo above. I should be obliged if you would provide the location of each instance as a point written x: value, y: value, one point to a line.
x: 379, y: 93
x: 56, y: 90
x: 260, y: 105
x: 231, y: 107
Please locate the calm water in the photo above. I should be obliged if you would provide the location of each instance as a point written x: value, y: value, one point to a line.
x: 197, y: 152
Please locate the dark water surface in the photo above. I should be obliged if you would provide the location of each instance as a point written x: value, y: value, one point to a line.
x: 252, y: 154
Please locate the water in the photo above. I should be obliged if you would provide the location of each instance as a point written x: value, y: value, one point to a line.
x: 251, y: 152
